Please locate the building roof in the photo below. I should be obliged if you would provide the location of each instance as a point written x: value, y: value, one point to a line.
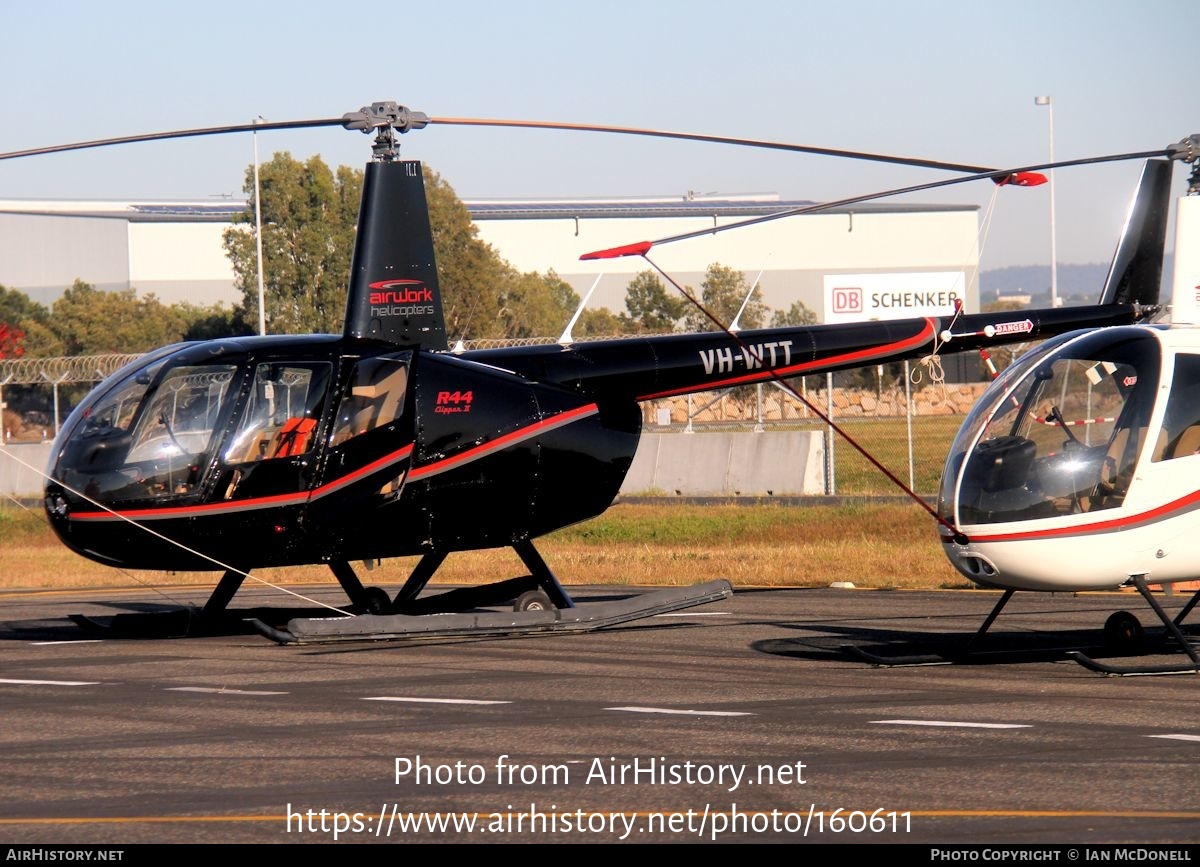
x: 737, y: 205
x: 141, y: 211
x: 751, y: 205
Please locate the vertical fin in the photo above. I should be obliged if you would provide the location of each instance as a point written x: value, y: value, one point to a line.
x: 394, y: 293
x: 1136, y: 271
x: 1185, y: 292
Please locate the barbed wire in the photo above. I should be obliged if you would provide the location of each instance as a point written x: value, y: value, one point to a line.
x: 61, y: 369
x: 93, y: 368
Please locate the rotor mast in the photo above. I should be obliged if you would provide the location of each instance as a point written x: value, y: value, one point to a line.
x: 393, y: 293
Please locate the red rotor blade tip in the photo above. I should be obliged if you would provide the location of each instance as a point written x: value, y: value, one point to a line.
x: 1022, y: 179
x: 638, y: 249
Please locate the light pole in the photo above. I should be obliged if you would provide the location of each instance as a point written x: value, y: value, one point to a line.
x: 262, y: 312
x: 1046, y: 101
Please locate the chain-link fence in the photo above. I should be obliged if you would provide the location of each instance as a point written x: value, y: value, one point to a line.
x: 903, y: 415
x: 906, y: 423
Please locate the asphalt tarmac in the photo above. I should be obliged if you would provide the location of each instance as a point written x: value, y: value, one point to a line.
x: 742, y: 720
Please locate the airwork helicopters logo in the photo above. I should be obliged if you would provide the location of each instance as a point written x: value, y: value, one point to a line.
x: 400, y: 298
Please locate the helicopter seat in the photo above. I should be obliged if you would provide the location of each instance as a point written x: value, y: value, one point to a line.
x: 1187, y: 443
x: 1116, y: 469
x: 292, y: 438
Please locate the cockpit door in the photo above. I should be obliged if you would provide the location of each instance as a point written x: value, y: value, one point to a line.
x: 370, y: 437
x: 272, y: 450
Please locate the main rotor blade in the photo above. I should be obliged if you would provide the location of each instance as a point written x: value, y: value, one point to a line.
x: 641, y: 247
x: 183, y: 133
x: 716, y: 139
x: 501, y: 122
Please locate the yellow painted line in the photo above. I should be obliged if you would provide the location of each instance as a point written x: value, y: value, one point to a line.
x: 926, y: 814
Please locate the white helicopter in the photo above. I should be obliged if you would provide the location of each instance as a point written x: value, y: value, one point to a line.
x: 1078, y: 468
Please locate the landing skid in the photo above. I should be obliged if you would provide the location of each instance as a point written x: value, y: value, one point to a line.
x: 214, y: 619
x: 1122, y: 632
x: 540, y: 605
x: 181, y: 623
x: 1173, y: 631
x: 584, y: 618
x: 1131, y: 671
x: 902, y: 661
x: 958, y: 657
x: 898, y: 661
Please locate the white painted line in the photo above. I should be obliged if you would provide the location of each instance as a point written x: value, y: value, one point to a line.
x: 50, y: 682
x: 222, y: 690
x: 432, y: 700
x: 668, y: 710
x: 695, y: 614
x: 1177, y: 737
x: 949, y: 724
x: 79, y: 641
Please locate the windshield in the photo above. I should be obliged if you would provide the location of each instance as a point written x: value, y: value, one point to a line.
x: 1059, y: 433
x: 150, y: 435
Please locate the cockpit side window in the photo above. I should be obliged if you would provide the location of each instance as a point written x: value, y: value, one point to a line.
x: 282, y: 412
x: 375, y: 398
x: 1181, y: 421
x: 182, y: 413
x: 370, y: 421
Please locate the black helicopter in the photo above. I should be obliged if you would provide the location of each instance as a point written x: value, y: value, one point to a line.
x: 241, y: 453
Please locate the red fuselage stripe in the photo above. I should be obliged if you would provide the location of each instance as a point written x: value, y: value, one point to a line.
x: 1167, y: 510
x: 502, y: 442
x: 397, y: 457
x: 860, y: 355
x: 295, y: 499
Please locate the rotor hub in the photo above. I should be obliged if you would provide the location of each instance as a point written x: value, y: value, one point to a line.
x: 386, y: 119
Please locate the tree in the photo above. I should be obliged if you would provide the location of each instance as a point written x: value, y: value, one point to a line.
x: 651, y: 308
x: 307, y: 239
x: 534, y: 305
x: 309, y: 215
x: 90, y: 321
x: 24, y: 322
x: 471, y: 273
x: 601, y: 322
x: 797, y: 314
x: 723, y: 292
x: 482, y: 294
x: 11, y: 339
x: 16, y: 307
x: 209, y: 322
x: 40, y: 341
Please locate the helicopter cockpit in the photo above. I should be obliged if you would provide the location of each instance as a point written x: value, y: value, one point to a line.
x: 150, y: 434
x: 1060, y: 432
x: 186, y: 425
x: 163, y: 425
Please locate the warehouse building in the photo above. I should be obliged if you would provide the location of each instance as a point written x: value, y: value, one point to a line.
x: 172, y: 249
x: 871, y: 261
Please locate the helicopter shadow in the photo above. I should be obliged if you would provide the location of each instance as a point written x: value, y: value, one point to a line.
x: 895, y: 648
x: 147, y: 620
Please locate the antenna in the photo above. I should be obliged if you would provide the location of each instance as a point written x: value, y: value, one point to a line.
x: 733, y: 326
x: 566, y: 339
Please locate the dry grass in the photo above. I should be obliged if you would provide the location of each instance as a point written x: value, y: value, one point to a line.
x: 893, y: 546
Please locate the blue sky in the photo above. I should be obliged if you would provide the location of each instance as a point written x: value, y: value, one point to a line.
x: 939, y: 80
